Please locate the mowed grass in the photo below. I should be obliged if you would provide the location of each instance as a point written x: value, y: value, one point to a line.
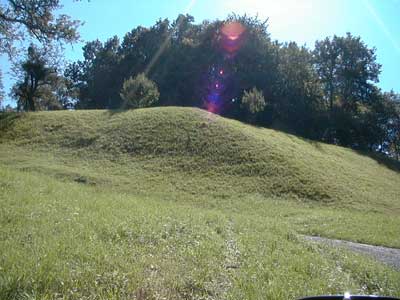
x: 175, y: 203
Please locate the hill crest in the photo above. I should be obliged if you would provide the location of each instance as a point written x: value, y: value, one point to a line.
x: 194, y: 141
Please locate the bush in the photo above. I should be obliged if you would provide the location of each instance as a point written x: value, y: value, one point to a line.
x: 139, y: 92
x: 253, y: 101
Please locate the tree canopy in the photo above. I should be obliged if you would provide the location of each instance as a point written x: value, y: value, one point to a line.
x: 327, y: 93
x: 1, y: 88
x: 39, y: 84
x: 35, y: 18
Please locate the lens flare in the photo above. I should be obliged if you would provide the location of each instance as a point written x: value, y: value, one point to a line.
x: 233, y: 30
x: 232, y: 36
x: 218, y: 95
x: 212, y: 107
x: 213, y: 97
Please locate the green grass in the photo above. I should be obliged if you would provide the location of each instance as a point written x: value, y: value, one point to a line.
x: 176, y: 203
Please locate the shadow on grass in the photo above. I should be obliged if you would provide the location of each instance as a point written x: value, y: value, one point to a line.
x: 293, y: 136
x: 115, y: 111
x: 7, y: 120
x: 381, y: 158
x: 316, y: 144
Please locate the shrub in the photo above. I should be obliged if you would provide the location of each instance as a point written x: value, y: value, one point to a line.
x: 253, y: 101
x: 139, y: 92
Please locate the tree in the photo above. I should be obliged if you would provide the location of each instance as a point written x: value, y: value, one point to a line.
x: 348, y: 70
x: 102, y: 89
x: 139, y: 92
x: 328, y: 94
x: 8, y: 108
x: 297, y: 92
x: 177, y: 76
x: 252, y: 62
x: 326, y: 59
x: 393, y: 125
x: 37, y: 19
x: 394, y: 135
x: 253, y: 101
x: 34, y: 90
x: 80, y: 77
x: 1, y: 88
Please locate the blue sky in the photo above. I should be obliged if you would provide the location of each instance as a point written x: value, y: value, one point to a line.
x: 303, y: 21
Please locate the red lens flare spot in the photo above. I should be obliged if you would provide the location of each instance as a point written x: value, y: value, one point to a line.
x: 221, y: 72
x: 233, y: 30
x: 232, y: 34
x: 212, y: 108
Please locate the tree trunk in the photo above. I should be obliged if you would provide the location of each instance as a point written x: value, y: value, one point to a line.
x: 31, y: 103
x: 31, y: 93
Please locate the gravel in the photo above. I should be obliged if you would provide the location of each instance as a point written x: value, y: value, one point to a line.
x: 389, y: 256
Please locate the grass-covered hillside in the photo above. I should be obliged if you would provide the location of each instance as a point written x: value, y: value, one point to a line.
x: 192, y: 141
x: 179, y: 203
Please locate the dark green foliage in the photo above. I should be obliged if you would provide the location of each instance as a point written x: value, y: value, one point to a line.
x: 391, y: 125
x: 139, y: 92
x: 39, y: 86
x: 327, y: 94
x: 298, y: 102
x: 347, y: 69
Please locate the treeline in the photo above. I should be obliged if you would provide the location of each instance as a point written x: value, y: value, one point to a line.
x: 232, y: 68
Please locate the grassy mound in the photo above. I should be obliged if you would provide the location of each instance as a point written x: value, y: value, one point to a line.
x: 195, y: 142
x: 177, y: 203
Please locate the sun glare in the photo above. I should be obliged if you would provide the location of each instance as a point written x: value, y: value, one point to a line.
x: 289, y: 19
x: 283, y: 11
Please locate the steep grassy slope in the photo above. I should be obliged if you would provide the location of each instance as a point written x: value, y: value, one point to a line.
x: 192, y: 141
x: 176, y: 203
